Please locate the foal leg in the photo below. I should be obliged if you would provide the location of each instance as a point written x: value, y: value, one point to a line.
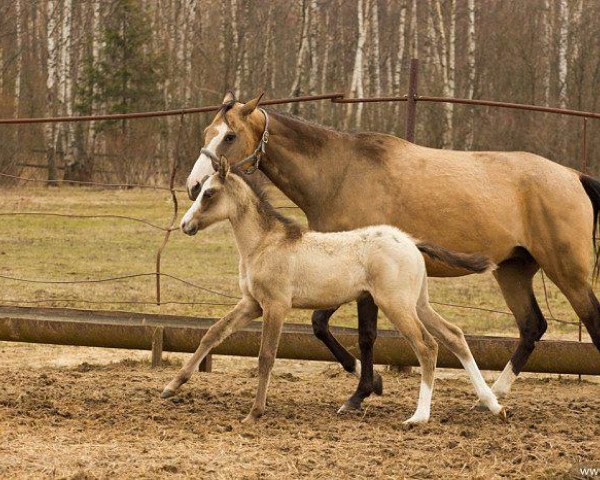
x: 515, y: 277
x: 453, y: 339
x: 370, y: 381
x: 243, y: 313
x: 273, y: 318
x: 406, y: 320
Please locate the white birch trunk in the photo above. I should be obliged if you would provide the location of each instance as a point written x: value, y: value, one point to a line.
x: 51, y: 66
x: 19, y: 59
x: 471, y: 70
x: 357, y: 84
x: 66, y: 79
x: 313, y: 78
x: 414, y: 47
x: 547, y: 49
x: 444, y: 65
x: 376, y: 87
x: 563, y: 18
x: 302, y: 51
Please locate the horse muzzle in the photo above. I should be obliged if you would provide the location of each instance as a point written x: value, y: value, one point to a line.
x: 189, y: 228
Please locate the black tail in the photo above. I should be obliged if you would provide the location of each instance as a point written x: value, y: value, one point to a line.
x: 592, y: 188
x: 474, y: 263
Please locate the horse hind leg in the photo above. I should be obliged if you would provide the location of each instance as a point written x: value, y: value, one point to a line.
x: 515, y: 278
x: 406, y: 320
x: 453, y: 339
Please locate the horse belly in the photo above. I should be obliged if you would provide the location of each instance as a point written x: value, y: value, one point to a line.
x: 324, y: 283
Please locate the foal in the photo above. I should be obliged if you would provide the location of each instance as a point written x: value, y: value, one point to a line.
x: 283, y: 266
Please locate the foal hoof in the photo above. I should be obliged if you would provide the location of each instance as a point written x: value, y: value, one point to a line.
x: 503, y: 415
x: 377, y: 384
x: 167, y: 393
x: 349, y: 407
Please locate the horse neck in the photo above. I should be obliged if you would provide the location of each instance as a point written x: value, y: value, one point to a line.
x: 296, y: 161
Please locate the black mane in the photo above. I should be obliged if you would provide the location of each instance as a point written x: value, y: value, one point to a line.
x: 269, y: 214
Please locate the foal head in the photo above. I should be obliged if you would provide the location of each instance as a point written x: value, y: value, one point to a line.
x: 234, y: 132
x: 214, y: 201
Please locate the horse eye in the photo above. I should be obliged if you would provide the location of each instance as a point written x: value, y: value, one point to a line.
x: 209, y: 193
x: 230, y: 137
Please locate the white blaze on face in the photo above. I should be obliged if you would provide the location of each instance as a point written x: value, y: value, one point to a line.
x: 196, y: 205
x: 203, y: 165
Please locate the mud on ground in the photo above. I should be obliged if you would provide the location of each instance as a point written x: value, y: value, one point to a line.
x: 107, y: 421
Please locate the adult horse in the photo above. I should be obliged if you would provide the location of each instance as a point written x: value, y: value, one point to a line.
x: 519, y: 209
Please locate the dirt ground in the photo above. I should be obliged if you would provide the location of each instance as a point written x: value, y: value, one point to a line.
x: 65, y: 415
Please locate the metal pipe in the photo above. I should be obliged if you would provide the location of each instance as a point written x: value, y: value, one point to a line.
x: 411, y: 105
x: 183, y: 334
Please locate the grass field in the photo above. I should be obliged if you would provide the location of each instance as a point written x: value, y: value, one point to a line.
x: 56, y: 248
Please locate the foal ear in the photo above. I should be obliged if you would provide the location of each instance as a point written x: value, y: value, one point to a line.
x: 223, y: 167
x: 250, y: 106
x: 229, y: 97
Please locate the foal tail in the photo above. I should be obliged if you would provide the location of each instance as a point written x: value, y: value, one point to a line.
x: 592, y: 188
x: 473, y: 263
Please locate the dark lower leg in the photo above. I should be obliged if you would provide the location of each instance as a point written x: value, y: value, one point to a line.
x: 367, y: 334
x: 515, y: 279
x: 320, y: 323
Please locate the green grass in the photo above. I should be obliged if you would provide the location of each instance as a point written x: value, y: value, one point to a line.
x: 44, y: 247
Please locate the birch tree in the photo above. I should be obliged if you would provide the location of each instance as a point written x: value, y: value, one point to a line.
x: 302, y: 51
x: 50, y: 129
x: 357, y: 83
x: 471, y: 71
x: 563, y: 19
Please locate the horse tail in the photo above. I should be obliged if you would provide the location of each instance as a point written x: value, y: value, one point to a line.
x: 471, y: 262
x: 592, y: 188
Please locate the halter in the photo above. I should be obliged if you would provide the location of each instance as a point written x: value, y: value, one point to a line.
x: 255, y: 157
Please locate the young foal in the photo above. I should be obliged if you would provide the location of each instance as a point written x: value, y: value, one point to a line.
x: 283, y: 267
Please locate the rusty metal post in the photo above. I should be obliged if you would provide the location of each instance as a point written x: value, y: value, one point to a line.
x: 584, y: 170
x: 411, y: 100
x: 206, y: 364
x: 157, y: 346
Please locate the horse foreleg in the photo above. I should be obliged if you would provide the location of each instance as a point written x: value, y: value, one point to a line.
x: 243, y: 313
x: 273, y: 318
x: 370, y: 381
x: 515, y: 277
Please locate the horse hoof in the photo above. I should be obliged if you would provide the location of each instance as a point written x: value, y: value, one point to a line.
x: 251, y: 418
x: 503, y: 415
x: 414, y: 420
x: 167, y: 393
x: 377, y: 384
x: 349, y: 407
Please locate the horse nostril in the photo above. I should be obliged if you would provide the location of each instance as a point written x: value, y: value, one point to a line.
x: 194, y: 191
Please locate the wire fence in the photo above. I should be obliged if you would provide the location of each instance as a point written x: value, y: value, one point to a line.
x: 339, y: 98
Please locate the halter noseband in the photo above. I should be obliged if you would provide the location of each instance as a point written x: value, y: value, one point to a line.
x: 255, y: 157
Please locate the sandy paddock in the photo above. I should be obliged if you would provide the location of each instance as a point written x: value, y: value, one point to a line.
x: 64, y: 415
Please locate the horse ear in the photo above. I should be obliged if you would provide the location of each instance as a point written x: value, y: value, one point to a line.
x: 229, y: 97
x: 224, y: 167
x: 250, y: 106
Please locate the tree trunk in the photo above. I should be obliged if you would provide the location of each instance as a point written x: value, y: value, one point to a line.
x: 563, y: 18
x: 302, y: 52
x: 51, y: 66
x: 471, y: 71
x: 357, y: 84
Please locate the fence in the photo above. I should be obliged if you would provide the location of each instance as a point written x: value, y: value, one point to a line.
x: 411, y: 99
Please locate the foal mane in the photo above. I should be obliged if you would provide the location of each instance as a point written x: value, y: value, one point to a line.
x: 267, y: 213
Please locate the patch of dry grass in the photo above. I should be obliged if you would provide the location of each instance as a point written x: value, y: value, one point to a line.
x: 79, y: 248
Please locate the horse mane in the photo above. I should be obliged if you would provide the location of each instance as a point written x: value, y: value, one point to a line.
x: 268, y: 214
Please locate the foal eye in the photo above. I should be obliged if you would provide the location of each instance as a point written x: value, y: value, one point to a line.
x: 209, y: 193
x: 230, y: 137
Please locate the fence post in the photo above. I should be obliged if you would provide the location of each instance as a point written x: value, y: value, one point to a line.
x: 206, y: 364
x: 411, y: 100
x: 157, y: 346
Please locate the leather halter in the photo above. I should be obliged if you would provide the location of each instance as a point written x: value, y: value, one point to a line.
x: 255, y: 157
